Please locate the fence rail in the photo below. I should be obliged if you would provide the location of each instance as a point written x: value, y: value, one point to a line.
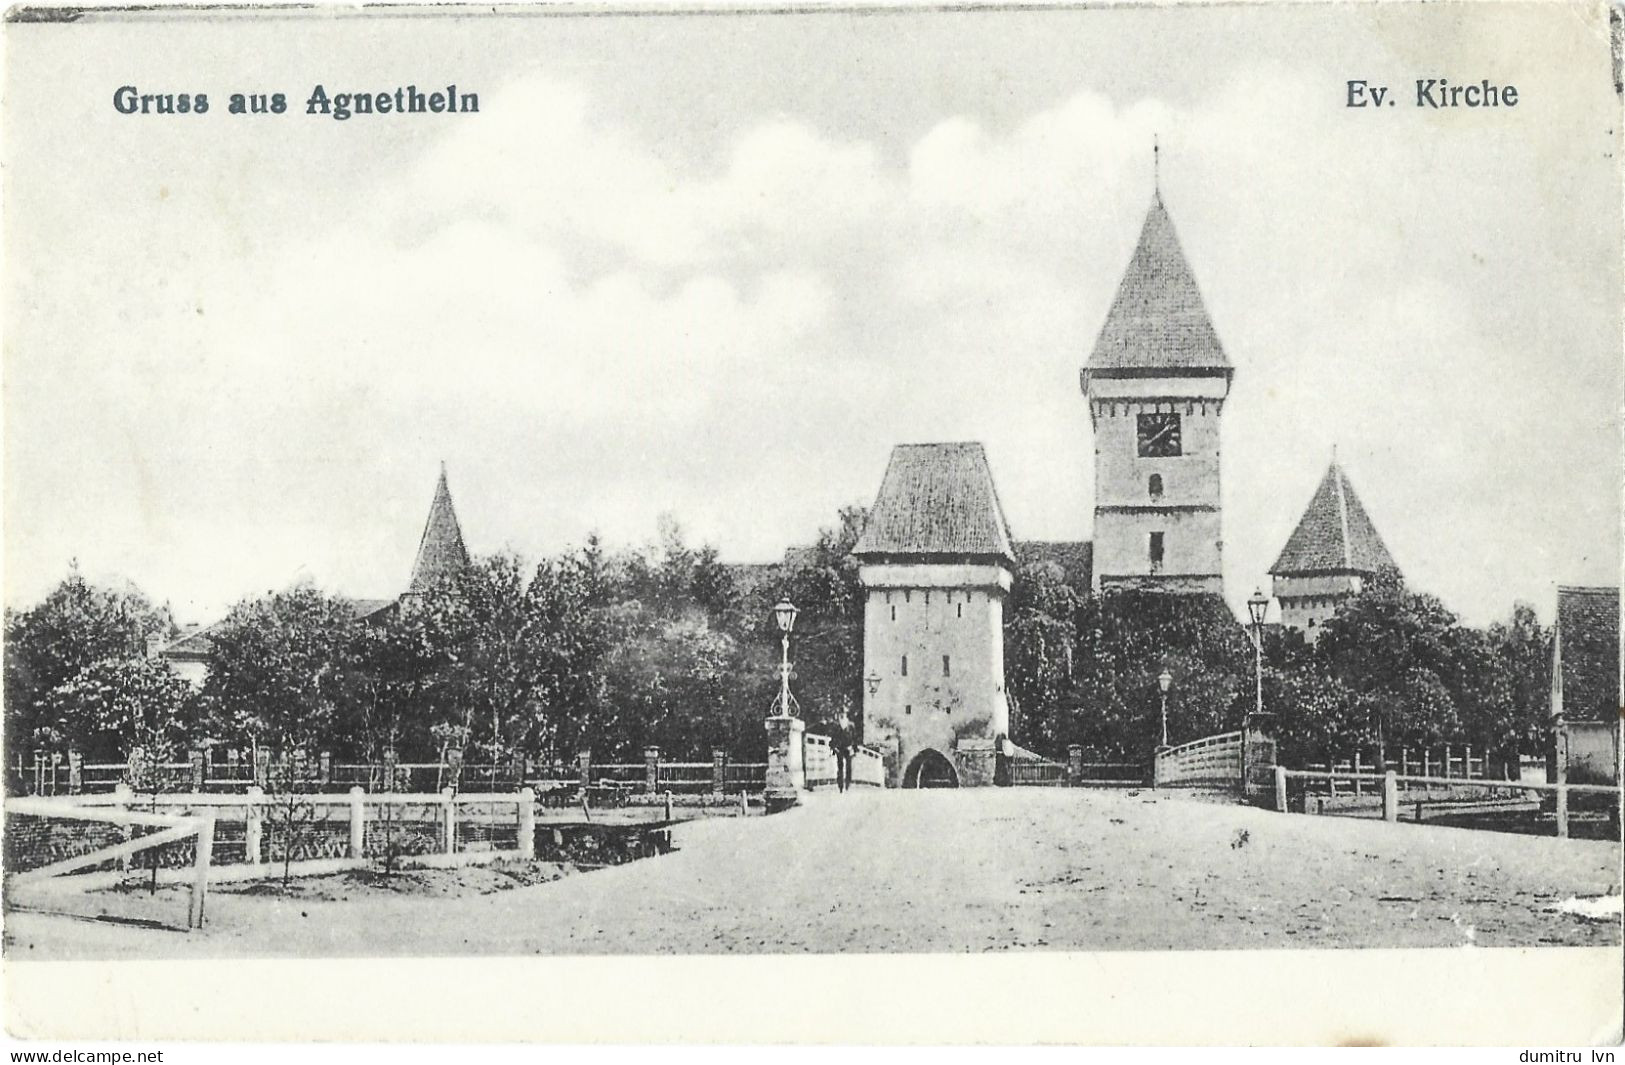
x: 1389, y: 785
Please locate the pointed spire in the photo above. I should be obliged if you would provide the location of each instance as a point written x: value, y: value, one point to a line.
x: 1158, y: 319
x: 441, y: 553
x: 1335, y: 535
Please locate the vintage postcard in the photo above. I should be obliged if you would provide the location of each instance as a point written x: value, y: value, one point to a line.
x: 1119, y: 500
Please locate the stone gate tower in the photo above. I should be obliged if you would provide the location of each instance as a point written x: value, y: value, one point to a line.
x: 1156, y: 384
x: 935, y: 561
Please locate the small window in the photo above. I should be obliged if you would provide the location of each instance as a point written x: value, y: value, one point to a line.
x: 1156, y: 552
x: 961, y: 607
x: 945, y: 671
x: 905, y: 665
x: 1154, y: 486
x: 894, y: 612
x: 908, y: 709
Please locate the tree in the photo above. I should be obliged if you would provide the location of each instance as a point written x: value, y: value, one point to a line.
x: 116, y: 705
x: 281, y: 669
x: 1396, y: 651
x: 75, y: 625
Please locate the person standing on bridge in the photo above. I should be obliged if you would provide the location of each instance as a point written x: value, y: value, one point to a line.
x: 841, y: 743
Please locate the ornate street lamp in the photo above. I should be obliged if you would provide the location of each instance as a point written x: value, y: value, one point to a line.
x: 784, y: 612
x: 1165, y: 681
x: 1256, y: 608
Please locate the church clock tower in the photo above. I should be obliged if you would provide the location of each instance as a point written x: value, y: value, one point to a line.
x: 1156, y: 384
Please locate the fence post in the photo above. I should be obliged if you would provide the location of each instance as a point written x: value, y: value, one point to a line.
x: 252, y: 827
x: 358, y: 822
x: 1427, y: 762
x: 1467, y: 762
x: 1390, y: 796
x: 200, y: 871
x: 527, y: 823
x: 668, y: 805
x: 584, y: 767
x: 262, y: 768
x: 744, y: 802
x: 450, y: 795
x: 1359, y: 785
x: 76, y: 772
x: 1280, y: 789
x: 719, y: 772
x: 651, y: 769
x: 1405, y: 761
x: 39, y: 772
x: 125, y: 796
x: 390, y: 761
x: 324, y: 763
x: 196, y: 758
x: 1562, y: 811
x: 1074, y: 764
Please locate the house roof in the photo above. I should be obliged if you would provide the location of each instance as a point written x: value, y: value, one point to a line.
x: 1074, y: 558
x: 1158, y: 320
x: 1588, y: 652
x: 1335, y: 535
x: 937, y: 499
x: 441, y: 553
x: 197, y: 643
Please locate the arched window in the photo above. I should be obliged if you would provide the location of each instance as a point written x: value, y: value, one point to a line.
x: 1154, y: 486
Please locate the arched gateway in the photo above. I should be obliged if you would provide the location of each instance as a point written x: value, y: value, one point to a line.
x: 930, y: 769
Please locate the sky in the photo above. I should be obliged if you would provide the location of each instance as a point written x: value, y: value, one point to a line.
x: 718, y: 265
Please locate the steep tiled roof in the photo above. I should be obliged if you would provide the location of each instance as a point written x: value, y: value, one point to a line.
x: 1335, y: 535
x: 441, y: 553
x: 1588, y: 650
x: 1158, y: 320
x: 937, y: 499
x: 1074, y: 558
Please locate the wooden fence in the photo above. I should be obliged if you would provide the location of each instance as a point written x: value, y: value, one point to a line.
x: 68, y: 774
x: 168, y: 829
x: 1446, y: 761
x: 1211, y: 761
x: 1399, y: 791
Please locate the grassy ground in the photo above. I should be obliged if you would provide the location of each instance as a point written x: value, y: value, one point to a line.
x: 985, y: 870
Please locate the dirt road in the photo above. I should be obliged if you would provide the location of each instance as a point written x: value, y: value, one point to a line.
x: 995, y: 869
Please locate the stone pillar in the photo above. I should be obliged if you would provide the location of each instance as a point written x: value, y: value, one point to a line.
x: 719, y: 772
x: 1390, y: 796
x: 1074, y: 765
x: 358, y: 822
x: 1280, y: 788
x: 651, y: 769
x: 527, y: 823
x: 584, y: 767
x: 196, y: 758
x: 76, y: 772
x: 786, y: 775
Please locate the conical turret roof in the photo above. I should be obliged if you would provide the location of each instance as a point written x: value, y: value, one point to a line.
x: 441, y: 553
x: 1158, y: 320
x: 1335, y: 535
x: 937, y: 500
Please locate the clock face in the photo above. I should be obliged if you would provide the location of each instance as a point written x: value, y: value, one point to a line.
x: 1159, y: 435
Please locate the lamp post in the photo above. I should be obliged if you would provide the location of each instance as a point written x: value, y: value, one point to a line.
x: 784, y: 612
x: 1165, y: 680
x: 1256, y: 608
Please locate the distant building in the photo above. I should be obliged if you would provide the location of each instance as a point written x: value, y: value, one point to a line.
x: 1156, y: 384
x: 936, y: 562
x: 1329, y: 556
x: 441, y: 554
x: 1586, y: 700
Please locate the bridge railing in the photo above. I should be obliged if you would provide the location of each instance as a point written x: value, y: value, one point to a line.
x: 1210, y: 761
